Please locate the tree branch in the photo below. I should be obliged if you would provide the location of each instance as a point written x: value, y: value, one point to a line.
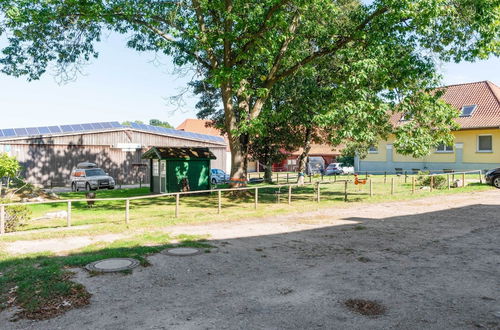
x: 341, y: 42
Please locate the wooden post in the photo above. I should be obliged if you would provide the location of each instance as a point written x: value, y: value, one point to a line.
x: 287, y: 177
x: 463, y: 180
x: 127, y: 211
x: 345, y: 191
x: 371, y: 187
x: 406, y: 176
x: 177, y: 198
x: 334, y: 177
x: 480, y: 177
x: 256, y: 199
x: 289, y: 195
x: 385, y: 177
x: 412, y: 184
x: 219, y: 198
x: 277, y: 178
x: 68, y: 215
x: 318, y: 198
x: 448, y: 179
x: 2, y: 219
x: 432, y: 182
x: 392, y: 186
x: 322, y: 177
x: 310, y: 178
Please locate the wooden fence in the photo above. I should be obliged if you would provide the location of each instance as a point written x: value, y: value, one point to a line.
x: 317, y: 194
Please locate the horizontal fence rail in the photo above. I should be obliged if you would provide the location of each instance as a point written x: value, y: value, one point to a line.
x: 365, y: 179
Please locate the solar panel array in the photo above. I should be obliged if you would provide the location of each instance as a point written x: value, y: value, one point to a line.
x: 174, y: 132
x: 82, y: 128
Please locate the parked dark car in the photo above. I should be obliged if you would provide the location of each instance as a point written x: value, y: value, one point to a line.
x: 493, y: 177
x: 315, y: 165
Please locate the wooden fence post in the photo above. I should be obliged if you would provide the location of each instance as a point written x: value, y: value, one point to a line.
x: 371, y: 187
x: 463, y: 180
x: 412, y: 184
x: 310, y: 178
x: 127, y: 211
x: 2, y: 219
x: 289, y: 195
x: 277, y: 178
x: 385, y: 177
x: 448, y: 179
x: 256, y: 199
x: 480, y: 177
x: 432, y: 183
x: 177, y: 198
x: 219, y: 199
x: 68, y: 215
x: 392, y: 186
x: 318, y: 197
x: 345, y: 191
x: 406, y: 176
x: 287, y: 177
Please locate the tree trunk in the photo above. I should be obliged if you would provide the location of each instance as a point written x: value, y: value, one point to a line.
x: 268, y: 171
x: 302, y: 163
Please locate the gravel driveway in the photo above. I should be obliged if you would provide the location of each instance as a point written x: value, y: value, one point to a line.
x: 434, y: 263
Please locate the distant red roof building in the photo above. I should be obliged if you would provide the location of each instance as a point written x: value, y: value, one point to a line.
x: 201, y: 126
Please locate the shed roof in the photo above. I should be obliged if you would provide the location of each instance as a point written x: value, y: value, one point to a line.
x: 178, y: 153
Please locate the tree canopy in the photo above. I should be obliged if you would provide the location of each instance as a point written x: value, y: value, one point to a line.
x: 244, y: 48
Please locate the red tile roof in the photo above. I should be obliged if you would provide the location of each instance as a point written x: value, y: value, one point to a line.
x: 484, y: 94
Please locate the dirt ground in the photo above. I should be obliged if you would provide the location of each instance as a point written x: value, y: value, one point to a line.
x: 433, y: 263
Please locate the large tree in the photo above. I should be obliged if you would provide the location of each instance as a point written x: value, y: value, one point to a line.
x: 243, y: 47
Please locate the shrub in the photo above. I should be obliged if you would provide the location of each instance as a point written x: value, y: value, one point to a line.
x: 438, y: 181
x: 15, y: 216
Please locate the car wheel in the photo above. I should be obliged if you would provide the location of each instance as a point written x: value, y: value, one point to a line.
x: 496, y: 181
x: 87, y: 187
x: 73, y: 187
x: 214, y: 181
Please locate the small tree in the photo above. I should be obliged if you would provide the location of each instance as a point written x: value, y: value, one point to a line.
x: 157, y: 122
x: 9, y: 167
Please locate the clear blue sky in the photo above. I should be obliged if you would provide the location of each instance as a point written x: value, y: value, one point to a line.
x: 123, y: 84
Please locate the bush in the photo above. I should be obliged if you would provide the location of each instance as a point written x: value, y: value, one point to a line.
x: 438, y: 181
x: 15, y: 216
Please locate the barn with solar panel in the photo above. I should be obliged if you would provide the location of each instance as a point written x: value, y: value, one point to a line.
x: 49, y: 153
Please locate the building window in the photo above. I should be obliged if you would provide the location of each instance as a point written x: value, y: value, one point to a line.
x: 467, y: 110
x: 444, y: 148
x: 484, y: 143
x: 292, y: 162
x: 373, y: 150
x: 156, y: 168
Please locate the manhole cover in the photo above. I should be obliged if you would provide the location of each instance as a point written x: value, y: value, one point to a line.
x: 113, y: 265
x: 182, y: 251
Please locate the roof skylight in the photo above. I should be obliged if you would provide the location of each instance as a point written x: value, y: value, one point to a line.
x: 467, y: 110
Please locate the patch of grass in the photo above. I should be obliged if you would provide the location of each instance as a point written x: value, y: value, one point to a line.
x: 40, y: 284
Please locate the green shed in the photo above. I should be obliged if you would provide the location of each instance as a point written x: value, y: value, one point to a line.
x: 179, y: 169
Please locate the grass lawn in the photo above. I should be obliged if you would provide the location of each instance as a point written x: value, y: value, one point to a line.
x: 159, y: 212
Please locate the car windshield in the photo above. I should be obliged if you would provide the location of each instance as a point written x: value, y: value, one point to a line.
x: 94, y: 172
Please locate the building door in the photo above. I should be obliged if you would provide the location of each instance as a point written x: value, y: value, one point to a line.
x: 163, y: 176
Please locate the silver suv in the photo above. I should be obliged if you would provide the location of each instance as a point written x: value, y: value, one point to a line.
x: 89, y: 177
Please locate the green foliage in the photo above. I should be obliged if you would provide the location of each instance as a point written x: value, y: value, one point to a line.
x: 157, y: 122
x: 346, y: 160
x: 128, y: 122
x: 438, y: 181
x: 15, y: 216
x: 9, y: 166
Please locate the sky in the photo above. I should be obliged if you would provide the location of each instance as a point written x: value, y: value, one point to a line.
x: 123, y: 84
